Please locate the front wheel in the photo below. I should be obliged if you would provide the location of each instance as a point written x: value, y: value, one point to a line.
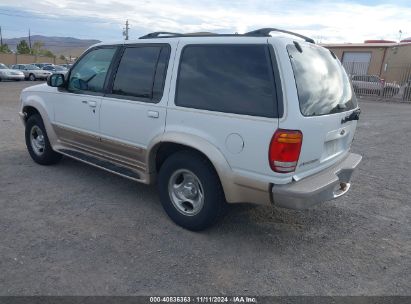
x: 38, y: 143
x: 190, y: 191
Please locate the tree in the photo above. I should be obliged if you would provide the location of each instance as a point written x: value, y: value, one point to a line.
x: 23, y: 47
x: 37, y: 48
x: 62, y: 57
x: 47, y: 53
x: 5, y: 49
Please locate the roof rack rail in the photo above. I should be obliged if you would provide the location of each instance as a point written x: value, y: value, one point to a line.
x: 267, y: 31
x: 158, y: 35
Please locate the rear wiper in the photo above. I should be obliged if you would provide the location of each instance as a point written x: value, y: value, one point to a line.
x: 353, y: 116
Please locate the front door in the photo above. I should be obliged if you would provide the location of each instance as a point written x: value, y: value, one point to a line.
x: 77, y: 111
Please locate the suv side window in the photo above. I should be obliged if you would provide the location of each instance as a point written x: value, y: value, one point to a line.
x: 90, y: 72
x: 227, y: 78
x: 141, y: 73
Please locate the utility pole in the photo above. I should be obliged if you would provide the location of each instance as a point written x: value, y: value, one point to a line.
x: 1, y: 38
x: 30, y: 40
x: 125, y: 30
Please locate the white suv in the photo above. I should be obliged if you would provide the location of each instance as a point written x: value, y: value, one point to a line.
x: 211, y: 118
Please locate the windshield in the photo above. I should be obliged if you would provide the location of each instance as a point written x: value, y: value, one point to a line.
x: 31, y: 67
x: 3, y: 66
x: 322, y: 84
x: 59, y: 68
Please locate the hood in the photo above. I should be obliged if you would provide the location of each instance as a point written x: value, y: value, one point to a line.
x: 38, y: 88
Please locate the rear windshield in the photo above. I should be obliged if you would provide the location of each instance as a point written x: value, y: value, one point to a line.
x: 322, y: 84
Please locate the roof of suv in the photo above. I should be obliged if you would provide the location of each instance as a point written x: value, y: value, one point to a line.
x: 168, y: 37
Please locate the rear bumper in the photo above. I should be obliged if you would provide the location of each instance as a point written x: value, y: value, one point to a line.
x: 13, y: 77
x: 326, y: 185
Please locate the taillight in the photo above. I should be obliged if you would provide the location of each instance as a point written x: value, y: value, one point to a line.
x: 285, y: 150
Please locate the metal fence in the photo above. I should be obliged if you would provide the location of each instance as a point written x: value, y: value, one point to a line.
x: 394, y: 81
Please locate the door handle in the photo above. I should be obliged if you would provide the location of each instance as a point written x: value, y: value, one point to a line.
x: 91, y: 103
x: 153, y: 114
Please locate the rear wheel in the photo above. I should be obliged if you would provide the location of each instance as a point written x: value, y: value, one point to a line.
x: 32, y: 77
x: 38, y: 143
x: 190, y: 191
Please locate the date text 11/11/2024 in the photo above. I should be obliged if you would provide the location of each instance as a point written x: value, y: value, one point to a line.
x: 204, y: 299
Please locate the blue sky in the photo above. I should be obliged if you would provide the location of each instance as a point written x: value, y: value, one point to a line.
x: 325, y: 21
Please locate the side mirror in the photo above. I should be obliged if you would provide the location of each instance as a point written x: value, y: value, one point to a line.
x: 55, y: 80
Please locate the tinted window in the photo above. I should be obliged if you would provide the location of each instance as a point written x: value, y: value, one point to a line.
x: 161, y: 72
x: 322, y: 84
x: 227, y: 78
x: 90, y: 72
x: 31, y: 67
x: 138, y: 71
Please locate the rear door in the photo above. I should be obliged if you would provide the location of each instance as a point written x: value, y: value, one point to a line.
x: 133, y: 112
x: 318, y: 107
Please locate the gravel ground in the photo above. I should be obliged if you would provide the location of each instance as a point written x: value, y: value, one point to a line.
x: 72, y: 229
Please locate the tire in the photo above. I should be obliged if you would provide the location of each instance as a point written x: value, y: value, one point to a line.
x: 39, y: 147
x: 207, y: 189
x: 32, y: 77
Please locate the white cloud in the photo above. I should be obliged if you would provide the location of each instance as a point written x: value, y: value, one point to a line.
x: 330, y: 21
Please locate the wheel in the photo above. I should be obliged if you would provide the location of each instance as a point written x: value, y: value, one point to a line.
x: 32, y: 77
x: 38, y: 143
x: 190, y: 191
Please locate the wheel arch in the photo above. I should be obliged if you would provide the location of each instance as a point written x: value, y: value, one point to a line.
x: 172, y: 142
x: 36, y: 106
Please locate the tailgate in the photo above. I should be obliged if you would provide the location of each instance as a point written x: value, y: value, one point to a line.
x: 325, y: 102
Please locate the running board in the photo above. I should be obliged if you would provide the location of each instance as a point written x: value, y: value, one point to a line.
x: 102, y: 164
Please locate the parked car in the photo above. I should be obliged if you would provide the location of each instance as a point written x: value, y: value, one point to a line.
x: 55, y: 69
x: 372, y: 84
x: 9, y: 74
x: 67, y: 66
x: 32, y: 72
x: 42, y: 65
x: 223, y: 118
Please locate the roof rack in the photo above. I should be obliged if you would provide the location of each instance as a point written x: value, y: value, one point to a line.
x: 266, y: 33
x: 158, y: 35
x: 176, y: 35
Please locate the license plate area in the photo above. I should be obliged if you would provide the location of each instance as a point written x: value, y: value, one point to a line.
x: 332, y: 148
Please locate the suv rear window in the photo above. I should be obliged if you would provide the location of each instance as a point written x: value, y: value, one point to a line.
x: 227, y: 78
x: 322, y: 84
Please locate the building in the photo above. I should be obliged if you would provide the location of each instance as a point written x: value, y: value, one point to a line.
x: 388, y: 59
